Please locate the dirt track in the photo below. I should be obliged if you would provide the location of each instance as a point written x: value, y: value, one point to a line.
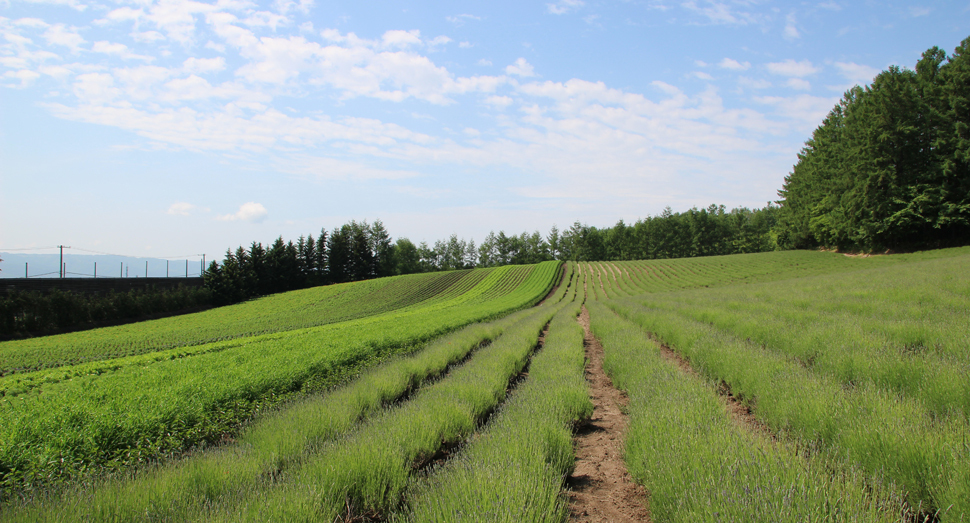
x: 601, y: 488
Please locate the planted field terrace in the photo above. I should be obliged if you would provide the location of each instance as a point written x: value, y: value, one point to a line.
x: 787, y: 386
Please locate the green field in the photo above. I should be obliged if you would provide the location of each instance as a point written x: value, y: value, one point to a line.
x: 429, y: 397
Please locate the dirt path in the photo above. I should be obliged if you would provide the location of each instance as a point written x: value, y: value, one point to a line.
x: 601, y: 488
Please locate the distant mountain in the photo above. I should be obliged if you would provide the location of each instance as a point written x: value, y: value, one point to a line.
x: 16, y: 265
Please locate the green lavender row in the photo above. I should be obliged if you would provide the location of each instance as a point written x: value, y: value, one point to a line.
x: 367, y: 470
x: 700, y: 466
x: 890, y: 436
x: 514, y: 471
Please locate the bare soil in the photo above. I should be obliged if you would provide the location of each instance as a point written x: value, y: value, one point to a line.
x: 601, y: 489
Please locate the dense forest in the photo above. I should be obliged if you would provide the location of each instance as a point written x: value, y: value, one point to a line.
x: 889, y: 168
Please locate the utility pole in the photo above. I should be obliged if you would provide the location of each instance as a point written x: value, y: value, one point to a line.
x: 26, y: 270
x: 121, y: 270
x: 166, y: 268
x: 61, y: 265
x: 146, y: 268
x: 95, y: 270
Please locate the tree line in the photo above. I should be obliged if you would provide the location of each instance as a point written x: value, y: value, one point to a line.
x: 34, y: 313
x: 889, y: 167
x: 359, y: 251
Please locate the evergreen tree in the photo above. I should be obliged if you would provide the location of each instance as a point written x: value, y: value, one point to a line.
x: 407, y: 257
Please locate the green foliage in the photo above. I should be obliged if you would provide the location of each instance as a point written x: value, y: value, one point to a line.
x: 887, y: 169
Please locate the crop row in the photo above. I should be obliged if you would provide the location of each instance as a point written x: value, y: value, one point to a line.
x: 367, y: 471
x: 271, y: 444
x: 137, y: 412
x: 892, y: 437
x: 700, y: 465
x: 902, y: 328
x: 271, y: 314
x: 676, y: 274
x: 528, y: 444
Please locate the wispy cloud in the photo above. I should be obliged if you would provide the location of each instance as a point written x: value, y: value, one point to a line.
x: 181, y: 209
x: 564, y: 6
x: 460, y: 20
x: 792, y: 68
x: 734, y: 65
x: 791, y: 31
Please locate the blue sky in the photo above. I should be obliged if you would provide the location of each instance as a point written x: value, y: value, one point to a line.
x: 157, y: 128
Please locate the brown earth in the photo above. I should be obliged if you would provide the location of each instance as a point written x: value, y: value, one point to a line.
x: 601, y: 489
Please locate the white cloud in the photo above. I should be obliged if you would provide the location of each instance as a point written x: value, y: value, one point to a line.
x: 117, y: 49
x: 204, y: 65
x: 26, y: 77
x: 60, y: 34
x: 140, y: 82
x: 798, y: 83
x: 95, y: 88
x: 831, y: 6
x: 702, y: 75
x: 521, y: 68
x: 248, y: 212
x: 285, y: 6
x: 792, y: 68
x: 474, y: 133
x: 856, y: 74
x: 74, y: 4
x: 564, y: 6
x: 464, y: 45
x: 398, y: 38
x: 181, y: 209
x: 484, y: 62
x: 35, y: 23
x: 499, y: 101
x: 807, y: 109
x: 734, y: 65
x: 191, y: 88
x: 439, y: 40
